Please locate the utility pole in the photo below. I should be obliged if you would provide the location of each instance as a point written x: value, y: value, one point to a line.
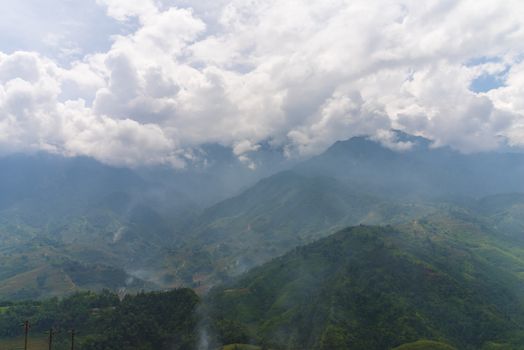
x: 72, y: 339
x: 51, y: 333
x: 26, y: 332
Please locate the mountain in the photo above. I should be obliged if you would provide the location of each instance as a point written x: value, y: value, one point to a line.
x: 217, y: 218
x: 215, y: 173
x: 358, y: 181
x: 275, y: 215
x: 421, y: 170
x: 43, y: 191
x: 435, y: 257
x: 59, y: 212
x: 90, y: 213
x: 372, y: 287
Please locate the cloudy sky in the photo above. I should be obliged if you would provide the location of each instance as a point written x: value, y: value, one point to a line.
x: 134, y: 82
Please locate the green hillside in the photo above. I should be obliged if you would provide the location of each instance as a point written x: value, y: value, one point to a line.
x: 381, y: 287
x: 505, y: 212
x: 70, y: 224
x: 289, y: 210
x: 278, y: 214
x: 41, y: 268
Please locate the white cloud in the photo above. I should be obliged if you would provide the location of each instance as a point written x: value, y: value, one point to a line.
x: 22, y: 65
x: 301, y: 74
x: 123, y: 10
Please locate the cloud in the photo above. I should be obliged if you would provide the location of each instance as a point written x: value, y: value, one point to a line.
x: 123, y: 10
x: 297, y: 73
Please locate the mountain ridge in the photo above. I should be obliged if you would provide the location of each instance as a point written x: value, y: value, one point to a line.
x: 392, y: 285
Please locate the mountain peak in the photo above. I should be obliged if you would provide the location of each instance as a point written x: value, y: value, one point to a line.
x: 391, y: 140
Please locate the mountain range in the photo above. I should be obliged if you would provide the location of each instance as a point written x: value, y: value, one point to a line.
x: 204, y: 225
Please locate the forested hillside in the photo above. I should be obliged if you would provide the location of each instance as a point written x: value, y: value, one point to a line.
x: 371, y: 287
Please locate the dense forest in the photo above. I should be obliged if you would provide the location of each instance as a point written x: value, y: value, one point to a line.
x: 145, y: 321
x: 378, y: 288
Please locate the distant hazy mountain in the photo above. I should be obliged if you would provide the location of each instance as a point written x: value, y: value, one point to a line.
x: 95, y: 213
x: 380, y: 287
x: 41, y: 188
x: 420, y: 170
x: 215, y: 173
x: 57, y: 212
x: 50, y: 194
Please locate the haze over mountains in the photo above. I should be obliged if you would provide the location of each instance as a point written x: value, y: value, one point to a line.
x: 170, y: 229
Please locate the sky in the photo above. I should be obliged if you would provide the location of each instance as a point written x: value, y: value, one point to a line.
x: 144, y: 82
